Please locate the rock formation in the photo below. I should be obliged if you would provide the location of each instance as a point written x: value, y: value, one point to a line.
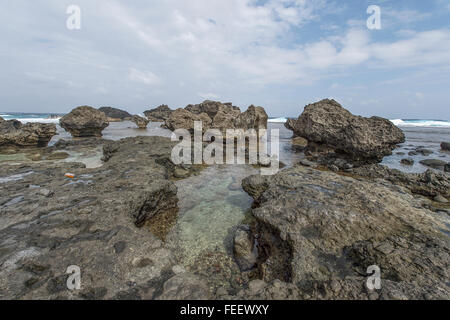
x: 140, y: 122
x: 331, y: 128
x: 115, y: 114
x: 14, y: 133
x: 84, y: 121
x: 217, y: 115
x: 321, y: 231
x: 159, y: 114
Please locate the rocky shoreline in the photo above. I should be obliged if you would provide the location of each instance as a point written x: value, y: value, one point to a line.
x: 313, y: 229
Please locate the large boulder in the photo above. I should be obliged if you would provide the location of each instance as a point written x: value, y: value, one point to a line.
x: 327, y: 123
x: 84, y: 121
x: 140, y: 121
x: 211, y: 108
x: 315, y: 226
x: 159, y: 114
x: 114, y: 113
x: 14, y: 133
x: 254, y: 118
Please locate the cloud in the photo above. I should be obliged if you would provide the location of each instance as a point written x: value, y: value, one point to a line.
x: 145, y: 77
x: 208, y: 96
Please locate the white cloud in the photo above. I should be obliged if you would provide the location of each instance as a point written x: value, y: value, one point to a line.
x: 145, y: 77
x: 208, y: 96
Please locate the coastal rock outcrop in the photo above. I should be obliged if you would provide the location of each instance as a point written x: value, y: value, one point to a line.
x: 326, y: 229
x: 14, y: 133
x: 140, y: 122
x: 49, y: 222
x: 115, y: 114
x: 328, y: 126
x: 84, y: 121
x: 159, y: 114
x: 217, y: 115
x: 183, y: 119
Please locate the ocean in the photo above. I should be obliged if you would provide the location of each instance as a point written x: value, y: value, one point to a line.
x: 424, y: 133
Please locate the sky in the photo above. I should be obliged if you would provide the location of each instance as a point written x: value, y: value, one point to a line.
x: 278, y: 54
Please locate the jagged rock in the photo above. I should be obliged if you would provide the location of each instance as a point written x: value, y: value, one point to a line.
x: 185, y: 286
x: 245, y: 253
x: 330, y: 226
x: 84, y: 121
x: 360, y: 139
x: 445, y: 146
x: 140, y: 122
x: 217, y: 115
x: 14, y: 133
x: 183, y: 119
x: 159, y: 114
x: 114, y: 113
x: 407, y: 162
x: 434, y: 163
x: 299, y: 143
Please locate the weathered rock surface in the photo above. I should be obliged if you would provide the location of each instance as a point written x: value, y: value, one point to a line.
x: 115, y: 113
x: 217, y: 115
x: 14, y: 133
x: 159, y: 114
x: 49, y: 222
x: 183, y: 119
x: 140, y: 122
x: 327, y: 124
x: 185, y: 286
x: 429, y: 183
x: 407, y: 161
x: 84, y: 121
x: 330, y: 228
x: 245, y: 253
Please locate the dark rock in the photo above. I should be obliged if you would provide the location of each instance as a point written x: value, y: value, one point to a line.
x: 434, y: 163
x: 84, y: 122
x: 424, y: 152
x: 445, y: 146
x: 361, y: 139
x: 115, y: 113
x: 159, y: 114
x: 14, y: 133
x: 407, y: 162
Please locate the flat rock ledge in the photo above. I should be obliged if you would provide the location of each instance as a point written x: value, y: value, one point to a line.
x: 327, y: 229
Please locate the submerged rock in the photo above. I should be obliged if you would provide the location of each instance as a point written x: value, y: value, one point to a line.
x: 407, y: 162
x: 334, y: 227
x: 245, y: 253
x: 84, y: 121
x: 14, y: 133
x: 346, y: 135
x: 140, y: 122
x: 445, y: 146
x: 159, y: 114
x: 114, y: 113
x: 434, y: 163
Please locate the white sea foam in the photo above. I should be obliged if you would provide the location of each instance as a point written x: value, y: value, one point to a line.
x: 421, y: 123
x: 278, y: 120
